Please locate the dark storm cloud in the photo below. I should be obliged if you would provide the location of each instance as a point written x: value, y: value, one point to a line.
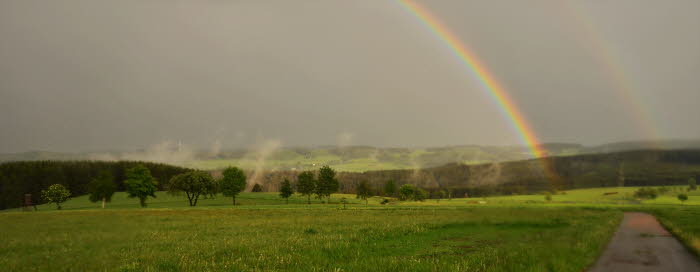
x: 86, y: 75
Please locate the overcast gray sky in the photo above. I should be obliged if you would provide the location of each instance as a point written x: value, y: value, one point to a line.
x: 98, y: 75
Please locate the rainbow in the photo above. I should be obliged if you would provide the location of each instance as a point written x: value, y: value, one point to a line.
x: 603, y: 54
x: 495, y: 90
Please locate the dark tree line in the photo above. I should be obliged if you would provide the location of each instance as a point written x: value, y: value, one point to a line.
x: 19, y: 178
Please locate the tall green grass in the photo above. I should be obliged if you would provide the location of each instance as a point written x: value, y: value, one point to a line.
x: 312, y: 239
x: 505, y: 233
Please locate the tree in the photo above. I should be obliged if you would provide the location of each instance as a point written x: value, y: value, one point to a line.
x: 102, y: 188
x: 439, y: 195
x: 256, y: 188
x: 56, y: 193
x: 407, y: 191
x: 306, y: 184
x: 390, y: 188
x: 232, y: 183
x: 364, y: 191
x: 344, y: 201
x: 327, y: 183
x: 621, y: 176
x: 420, y: 194
x: 692, y: 186
x: 682, y: 197
x: 286, y: 190
x: 140, y: 184
x: 548, y: 196
x: 194, y: 184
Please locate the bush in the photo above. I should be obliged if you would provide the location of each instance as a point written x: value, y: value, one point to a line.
x: 548, y: 196
x: 646, y: 193
x: 682, y: 197
x: 420, y: 195
x: 692, y: 184
x: 407, y: 191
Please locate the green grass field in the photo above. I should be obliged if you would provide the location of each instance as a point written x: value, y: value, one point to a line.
x: 506, y: 233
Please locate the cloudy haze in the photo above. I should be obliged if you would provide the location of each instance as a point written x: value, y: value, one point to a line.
x: 104, y: 75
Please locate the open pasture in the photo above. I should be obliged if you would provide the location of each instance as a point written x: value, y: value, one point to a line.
x: 504, y: 233
x: 311, y: 239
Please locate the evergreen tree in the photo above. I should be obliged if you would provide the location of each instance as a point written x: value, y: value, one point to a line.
x: 257, y: 188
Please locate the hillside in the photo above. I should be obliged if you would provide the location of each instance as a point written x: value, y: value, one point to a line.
x: 346, y: 159
x: 631, y: 168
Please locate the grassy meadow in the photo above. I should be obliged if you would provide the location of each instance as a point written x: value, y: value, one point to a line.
x: 505, y: 233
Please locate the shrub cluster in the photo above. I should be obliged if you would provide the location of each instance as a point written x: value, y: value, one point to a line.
x: 646, y: 193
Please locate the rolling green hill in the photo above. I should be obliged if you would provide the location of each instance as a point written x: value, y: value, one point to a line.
x: 348, y: 159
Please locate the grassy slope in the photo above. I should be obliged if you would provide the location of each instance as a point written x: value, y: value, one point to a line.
x: 360, y: 159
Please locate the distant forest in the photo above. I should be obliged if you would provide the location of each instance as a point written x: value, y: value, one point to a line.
x: 19, y: 178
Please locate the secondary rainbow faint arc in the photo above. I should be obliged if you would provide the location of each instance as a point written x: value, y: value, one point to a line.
x: 603, y: 54
x: 495, y: 90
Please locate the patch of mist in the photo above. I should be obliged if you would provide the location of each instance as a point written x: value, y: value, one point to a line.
x: 416, y: 168
x: 374, y: 156
x: 215, y: 148
x: 487, y: 175
x: 344, y: 139
x: 170, y: 152
x: 261, y: 152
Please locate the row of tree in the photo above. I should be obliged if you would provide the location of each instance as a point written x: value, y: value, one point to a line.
x: 308, y: 184
x: 139, y: 183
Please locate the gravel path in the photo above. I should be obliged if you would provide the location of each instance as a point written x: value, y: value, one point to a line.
x: 642, y: 244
